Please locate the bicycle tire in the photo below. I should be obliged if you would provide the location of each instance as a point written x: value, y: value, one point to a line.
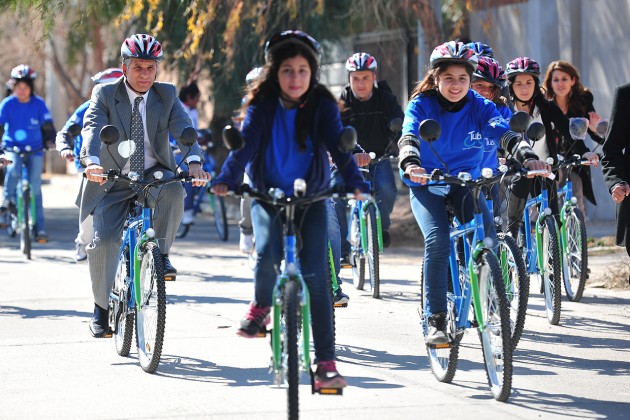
x: 443, y: 361
x: 220, y: 218
x: 575, y: 255
x: 151, y: 315
x: 25, y: 230
x: 358, y: 260
x: 552, y: 271
x: 329, y: 282
x: 516, y: 283
x: 496, y: 342
x: 123, y: 318
x: 373, y: 252
x: 12, y: 221
x: 291, y: 308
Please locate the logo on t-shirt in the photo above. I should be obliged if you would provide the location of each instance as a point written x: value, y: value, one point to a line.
x: 473, y: 141
x: 496, y: 120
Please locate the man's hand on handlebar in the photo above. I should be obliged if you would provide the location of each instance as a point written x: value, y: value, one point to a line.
x: 92, y: 172
x: 593, y: 158
x: 196, y: 171
x: 537, y: 165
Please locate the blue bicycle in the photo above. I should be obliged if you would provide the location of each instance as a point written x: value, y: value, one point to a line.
x: 139, y: 291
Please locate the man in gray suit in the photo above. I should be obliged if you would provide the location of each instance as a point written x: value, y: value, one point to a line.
x: 133, y: 97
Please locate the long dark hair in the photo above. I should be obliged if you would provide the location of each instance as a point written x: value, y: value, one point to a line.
x: 428, y: 85
x: 536, y: 99
x: 267, y: 85
x: 577, y: 103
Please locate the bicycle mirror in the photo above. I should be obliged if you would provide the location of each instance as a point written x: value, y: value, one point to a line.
x: 536, y: 131
x: 189, y: 136
x: 74, y: 130
x: 519, y: 121
x: 348, y: 139
x: 602, y: 128
x: 395, y: 125
x: 578, y: 128
x: 232, y: 138
x: 430, y: 130
x: 109, y: 134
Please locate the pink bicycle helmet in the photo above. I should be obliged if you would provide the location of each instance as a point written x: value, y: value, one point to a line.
x: 522, y: 65
x: 141, y: 46
x: 454, y: 52
x: 490, y: 70
x: 361, y: 62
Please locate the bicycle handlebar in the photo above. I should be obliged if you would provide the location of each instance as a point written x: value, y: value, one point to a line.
x: 276, y: 197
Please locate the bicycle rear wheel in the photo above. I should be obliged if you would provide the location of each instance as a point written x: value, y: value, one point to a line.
x: 291, y: 309
x: 25, y: 229
x: 358, y: 260
x: 551, y: 271
x: 443, y: 359
x: 151, y: 315
x: 12, y: 220
x: 494, y: 327
x: 373, y: 252
x: 123, y: 318
x: 575, y: 261
x: 516, y: 283
x: 220, y: 217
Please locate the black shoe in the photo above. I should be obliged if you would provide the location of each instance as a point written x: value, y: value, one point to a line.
x: 99, y: 324
x: 340, y: 299
x: 387, y: 240
x: 170, y: 272
x: 255, y: 321
x: 345, y: 262
x: 437, y: 330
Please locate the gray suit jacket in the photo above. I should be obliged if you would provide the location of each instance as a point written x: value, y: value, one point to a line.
x: 110, y: 105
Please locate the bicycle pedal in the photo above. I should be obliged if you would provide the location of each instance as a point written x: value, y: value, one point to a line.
x: 328, y: 391
x: 440, y: 346
x: 341, y: 305
x: 263, y: 333
x: 42, y: 241
x: 170, y: 277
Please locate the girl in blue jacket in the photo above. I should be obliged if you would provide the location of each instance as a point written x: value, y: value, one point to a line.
x: 465, y: 119
x: 290, y: 123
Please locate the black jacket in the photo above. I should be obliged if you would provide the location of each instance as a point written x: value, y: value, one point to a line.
x: 371, y: 118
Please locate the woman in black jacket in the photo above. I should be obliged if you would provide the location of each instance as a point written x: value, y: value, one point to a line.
x: 523, y: 75
x: 562, y: 86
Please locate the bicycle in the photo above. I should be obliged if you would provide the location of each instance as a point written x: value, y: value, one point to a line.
x: 22, y: 214
x: 216, y: 203
x: 139, y: 291
x: 476, y: 281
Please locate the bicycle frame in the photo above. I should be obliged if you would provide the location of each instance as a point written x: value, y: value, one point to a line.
x: 535, y: 255
x: 25, y: 186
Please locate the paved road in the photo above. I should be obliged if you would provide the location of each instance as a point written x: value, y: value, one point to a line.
x: 50, y: 367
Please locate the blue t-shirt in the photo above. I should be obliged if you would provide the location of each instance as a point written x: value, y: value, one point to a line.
x: 77, y: 118
x: 284, y: 161
x: 490, y: 159
x: 23, y: 122
x: 461, y: 142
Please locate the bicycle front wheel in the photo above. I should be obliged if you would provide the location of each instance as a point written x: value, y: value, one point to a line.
x: 123, y: 318
x: 151, y: 313
x: 373, y: 252
x: 516, y: 283
x: 25, y: 229
x: 551, y: 270
x: 358, y: 260
x: 291, y: 309
x: 494, y: 327
x: 220, y: 217
x: 575, y: 261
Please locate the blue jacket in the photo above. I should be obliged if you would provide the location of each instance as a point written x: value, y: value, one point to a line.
x: 461, y: 143
x: 257, y: 132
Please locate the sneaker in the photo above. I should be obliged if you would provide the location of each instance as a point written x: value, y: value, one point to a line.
x: 341, y: 299
x: 188, y: 218
x: 246, y: 244
x: 41, y: 236
x: 387, y: 240
x: 326, y: 376
x: 80, y: 254
x: 437, y: 330
x: 255, y: 321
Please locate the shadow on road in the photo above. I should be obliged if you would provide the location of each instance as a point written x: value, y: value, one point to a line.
x: 27, y: 313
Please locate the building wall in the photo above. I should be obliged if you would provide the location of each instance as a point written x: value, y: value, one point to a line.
x: 591, y: 34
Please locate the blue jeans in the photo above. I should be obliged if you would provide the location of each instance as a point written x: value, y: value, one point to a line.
x: 384, y: 185
x: 35, y: 164
x: 312, y: 247
x: 428, y: 204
